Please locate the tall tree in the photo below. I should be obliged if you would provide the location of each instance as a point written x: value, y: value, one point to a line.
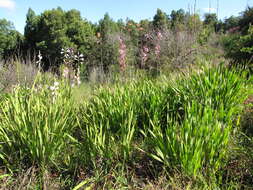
x: 177, y: 18
x: 160, y: 20
x: 31, y: 29
x: 56, y: 29
x: 210, y: 19
x: 10, y: 39
x: 246, y: 20
x: 230, y: 23
x: 107, y: 49
x: 79, y: 31
x: 107, y: 26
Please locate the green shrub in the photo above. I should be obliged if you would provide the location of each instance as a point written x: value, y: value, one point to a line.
x: 238, y: 47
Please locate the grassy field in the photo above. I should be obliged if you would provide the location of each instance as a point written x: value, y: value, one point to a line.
x: 190, y: 131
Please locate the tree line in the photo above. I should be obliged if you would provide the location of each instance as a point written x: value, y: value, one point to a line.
x: 56, y: 29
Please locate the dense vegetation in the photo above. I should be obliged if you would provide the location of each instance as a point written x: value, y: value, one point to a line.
x: 161, y: 104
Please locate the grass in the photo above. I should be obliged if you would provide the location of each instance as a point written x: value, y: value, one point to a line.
x: 139, y: 134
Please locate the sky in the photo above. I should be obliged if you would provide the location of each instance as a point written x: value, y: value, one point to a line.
x: 93, y: 10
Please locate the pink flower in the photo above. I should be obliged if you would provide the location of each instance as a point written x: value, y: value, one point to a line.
x: 157, y: 49
x: 122, y: 54
x: 145, y: 49
x: 159, y: 35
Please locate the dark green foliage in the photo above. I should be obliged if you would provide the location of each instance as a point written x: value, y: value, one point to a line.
x: 246, y: 20
x: 177, y: 18
x: 107, y: 26
x: 31, y: 30
x: 230, y: 23
x: 106, y: 50
x: 10, y: 39
x: 239, y: 47
x: 56, y: 29
x: 160, y: 20
x: 210, y: 19
x: 239, y: 44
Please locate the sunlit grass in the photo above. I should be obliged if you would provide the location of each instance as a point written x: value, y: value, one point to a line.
x: 181, y: 124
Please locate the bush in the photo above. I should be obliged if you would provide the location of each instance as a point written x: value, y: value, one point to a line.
x: 239, y: 47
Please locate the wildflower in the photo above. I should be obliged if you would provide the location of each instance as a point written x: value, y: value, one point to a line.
x: 65, y: 73
x: 145, y: 49
x: 39, y: 60
x: 52, y: 88
x: 77, y: 77
x: 56, y: 83
x: 157, y: 49
x: 159, y: 35
x: 122, y: 54
x: 40, y: 56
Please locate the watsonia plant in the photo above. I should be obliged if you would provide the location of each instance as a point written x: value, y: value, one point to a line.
x: 36, y: 124
x: 107, y: 125
x: 196, y: 144
x: 199, y: 120
x: 221, y: 88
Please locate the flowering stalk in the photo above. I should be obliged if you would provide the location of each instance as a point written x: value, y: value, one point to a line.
x: 54, y: 90
x: 39, y: 61
x: 122, y: 54
x: 72, y: 61
x: 144, y: 54
x: 157, y: 45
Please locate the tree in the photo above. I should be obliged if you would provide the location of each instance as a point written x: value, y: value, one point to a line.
x: 51, y: 36
x: 79, y: 31
x: 193, y: 22
x: 210, y: 19
x: 56, y: 29
x: 177, y: 18
x: 107, y: 48
x: 246, y: 20
x: 107, y: 26
x: 230, y: 23
x: 239, y: 45
x: 160, y: 20
x: 31, y: 29
x: 10, y: 39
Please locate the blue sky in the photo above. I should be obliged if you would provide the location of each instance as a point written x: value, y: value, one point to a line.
x: 15, y: 10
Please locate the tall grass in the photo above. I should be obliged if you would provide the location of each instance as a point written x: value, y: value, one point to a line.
x: 107, y: 125
x: 196, y: 134
x: 186, y: 125
x: 36, y: 124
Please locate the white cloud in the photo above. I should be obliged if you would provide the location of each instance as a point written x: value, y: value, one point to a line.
x: 212, y: 10
x: 7, y: 4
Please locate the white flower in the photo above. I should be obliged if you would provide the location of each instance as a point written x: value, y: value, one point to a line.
x: 56, y: 83
x: 52, y: 88
x: 78, y: 80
